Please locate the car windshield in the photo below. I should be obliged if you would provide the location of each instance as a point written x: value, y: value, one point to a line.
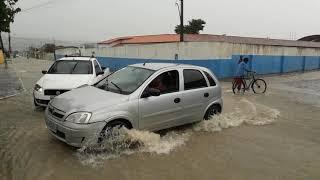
x: 126, y: 80
x: 71, y: 67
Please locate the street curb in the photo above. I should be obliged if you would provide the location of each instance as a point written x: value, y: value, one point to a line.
x: 10, y: 96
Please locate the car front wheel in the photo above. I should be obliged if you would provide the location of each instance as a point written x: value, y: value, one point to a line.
x: 109, y: 131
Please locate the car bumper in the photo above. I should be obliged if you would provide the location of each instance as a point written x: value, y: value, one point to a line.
x: 40, y: 99
x: 73, y: 134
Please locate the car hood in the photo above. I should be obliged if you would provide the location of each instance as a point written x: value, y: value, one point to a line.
x: 64, y: 81
x: 87, y: 99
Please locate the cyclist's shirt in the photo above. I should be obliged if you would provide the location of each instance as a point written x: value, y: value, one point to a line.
x: 242, y: 68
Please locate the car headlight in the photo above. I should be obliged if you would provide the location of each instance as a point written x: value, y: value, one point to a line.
x: 38, y: 88
x: 79, y: 118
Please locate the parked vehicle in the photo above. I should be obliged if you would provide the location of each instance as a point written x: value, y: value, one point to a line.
x: 149, y: 96
x: 66, y: 74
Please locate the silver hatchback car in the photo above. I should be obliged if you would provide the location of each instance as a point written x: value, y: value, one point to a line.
x: 150, y: 96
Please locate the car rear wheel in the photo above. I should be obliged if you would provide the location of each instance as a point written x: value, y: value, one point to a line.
x: 212, y: 111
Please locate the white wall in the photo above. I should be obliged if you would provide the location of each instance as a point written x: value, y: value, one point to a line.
x: 192, y: 50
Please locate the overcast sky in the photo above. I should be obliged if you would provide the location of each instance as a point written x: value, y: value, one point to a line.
x: 96, y: 20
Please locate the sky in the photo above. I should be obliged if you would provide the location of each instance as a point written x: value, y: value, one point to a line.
x: 98, y: 20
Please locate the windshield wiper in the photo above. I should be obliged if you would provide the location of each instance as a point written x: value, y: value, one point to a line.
x: 116, y: 86
x: 74, y: 67
x: 103, y: 79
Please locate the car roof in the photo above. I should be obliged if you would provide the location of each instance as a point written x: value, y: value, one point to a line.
x: 158, y: 66
x: 76, y: 58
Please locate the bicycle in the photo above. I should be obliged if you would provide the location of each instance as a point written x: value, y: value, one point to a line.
x: 259, y: 86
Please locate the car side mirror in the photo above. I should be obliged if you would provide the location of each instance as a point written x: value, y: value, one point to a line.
x: 103, y: 68
x: 44, y: 72
x: 151, y: 92
x: 100, y: 73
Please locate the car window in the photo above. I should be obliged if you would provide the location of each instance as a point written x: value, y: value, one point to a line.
x: 126, y: 80
x: 167, y: 82
x: 211, y: 81
x: 97, y: 67
x: 193, y: 79
x: 71, y: 67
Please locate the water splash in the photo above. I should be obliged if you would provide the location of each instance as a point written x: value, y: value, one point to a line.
x: 154, y: 143
x: 126, y: 142
x: 249, y: 113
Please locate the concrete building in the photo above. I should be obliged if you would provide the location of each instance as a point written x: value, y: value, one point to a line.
x: 267, y: 55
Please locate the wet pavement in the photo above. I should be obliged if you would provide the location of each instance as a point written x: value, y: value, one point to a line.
x: 10, y: 83
x: 271, y: 136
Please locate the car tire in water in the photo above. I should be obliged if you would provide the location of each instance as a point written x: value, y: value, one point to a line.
x: 212, y: 111
x: 259, y: 86
x: 108, y: 129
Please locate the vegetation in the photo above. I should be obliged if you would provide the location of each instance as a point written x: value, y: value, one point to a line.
x: 194, y: 27
x: 48, y: 48
x: 8, y: 10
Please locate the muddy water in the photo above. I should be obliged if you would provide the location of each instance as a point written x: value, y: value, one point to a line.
x: 272, y: 136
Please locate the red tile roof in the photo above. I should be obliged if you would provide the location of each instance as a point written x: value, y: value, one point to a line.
x: 162, y: 38
x: 169, y: 38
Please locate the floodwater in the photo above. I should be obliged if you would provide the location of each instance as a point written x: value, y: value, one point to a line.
x: 271, y: 136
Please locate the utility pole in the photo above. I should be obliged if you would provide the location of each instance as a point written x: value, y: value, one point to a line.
x: 181, y: 23
x: 54, y: 51
x: 10, y: 49
x: 1, y: 44
x: 4, y: 53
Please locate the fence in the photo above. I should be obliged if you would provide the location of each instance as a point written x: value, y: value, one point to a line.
x: 225, y: 68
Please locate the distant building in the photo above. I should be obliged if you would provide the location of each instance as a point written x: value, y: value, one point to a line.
x: 174, y: 38
x: 197, y: 47
x: 220, y: 53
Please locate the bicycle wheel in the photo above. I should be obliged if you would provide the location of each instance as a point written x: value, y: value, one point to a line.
x: 259, y: 86
x: 236, y: 90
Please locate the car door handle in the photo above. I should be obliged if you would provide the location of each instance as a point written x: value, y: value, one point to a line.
x: 206, y: 95
x: 177, y: 100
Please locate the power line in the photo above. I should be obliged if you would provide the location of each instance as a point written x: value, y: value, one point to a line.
x: 39, y: 5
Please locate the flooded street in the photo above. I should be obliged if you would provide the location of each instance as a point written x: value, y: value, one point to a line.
x: 271, y: 136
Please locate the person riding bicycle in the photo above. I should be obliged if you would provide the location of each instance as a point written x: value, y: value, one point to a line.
x: 241, y: 70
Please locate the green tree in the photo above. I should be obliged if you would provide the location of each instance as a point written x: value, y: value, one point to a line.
x: 194, y: 27
x: 8, y: 10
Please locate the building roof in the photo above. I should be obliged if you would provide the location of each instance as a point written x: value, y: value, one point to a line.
x: 161, y: 38
x: 171, y: 38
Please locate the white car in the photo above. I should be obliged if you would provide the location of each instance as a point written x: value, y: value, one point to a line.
x: 66, y: 74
